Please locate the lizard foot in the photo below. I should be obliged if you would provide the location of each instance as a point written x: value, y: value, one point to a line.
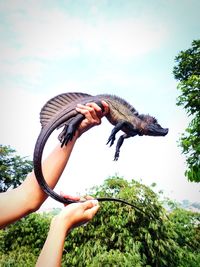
x: 67, y: 134
x: 111, y: 139
x: 116, y: 157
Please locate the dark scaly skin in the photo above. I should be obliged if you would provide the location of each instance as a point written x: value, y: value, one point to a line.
x: 46, y: 131
x: 121, y: 114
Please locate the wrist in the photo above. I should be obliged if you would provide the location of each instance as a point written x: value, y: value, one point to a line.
x: 60, y: 224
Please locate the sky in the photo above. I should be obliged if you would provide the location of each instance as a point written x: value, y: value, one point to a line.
x: 126, y: 48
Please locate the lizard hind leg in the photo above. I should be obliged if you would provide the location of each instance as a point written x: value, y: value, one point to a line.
x: 70, y: 128
x: 119, y: 144
x: 111, y: 139
x: 62, y: 134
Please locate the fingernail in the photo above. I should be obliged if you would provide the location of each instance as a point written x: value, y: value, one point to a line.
x: 95, y: 202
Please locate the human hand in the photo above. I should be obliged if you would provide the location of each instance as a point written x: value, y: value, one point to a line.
x: 76, y: 214
x: 71, y: 216
x: 75, y: 198
x: 93, y: 115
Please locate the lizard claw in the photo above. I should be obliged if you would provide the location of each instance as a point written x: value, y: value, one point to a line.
x: 111, y: 140
x: 62, y: 134
x: 66, y: 135
x: 70, y: 128
x: 66, y: 139
x: 116, y: 157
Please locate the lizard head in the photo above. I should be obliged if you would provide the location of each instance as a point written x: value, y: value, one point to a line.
x: 150, y: 126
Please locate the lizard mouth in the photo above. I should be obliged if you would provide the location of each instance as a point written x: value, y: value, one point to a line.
x: 163, y: 132
x: 156, y: 130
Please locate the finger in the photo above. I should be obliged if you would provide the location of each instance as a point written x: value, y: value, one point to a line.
x: 89, y: 214
x: 97, y: 109
x: 81, y: 106
x: 92, y: 107
x: 106, y: 107
x: 69, y: 196
x: 89, y: 204
x: 85, y: 110
x: 89, y: 197
x: 90, y: 113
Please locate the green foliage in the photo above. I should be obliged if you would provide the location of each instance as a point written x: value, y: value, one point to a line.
x: 117, y: 236
x: 190, y: 143
x: 18, y: 258
x: 117, y: 258
x: 29, y: 232
x: 13, y: 168
x: 119, y: 232
x: 188, y: 62
x: 187, y: 228
x: 187, y: 71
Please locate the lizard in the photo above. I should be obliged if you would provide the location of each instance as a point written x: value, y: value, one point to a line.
x: 60, y: 111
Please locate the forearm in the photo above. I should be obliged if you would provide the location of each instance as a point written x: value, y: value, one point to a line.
x: 70, y: 217
x: 51, y: 254
x: 28, y: 197
x: 53, y: 167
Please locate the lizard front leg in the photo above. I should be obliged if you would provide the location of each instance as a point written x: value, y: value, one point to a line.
x: 116, y: 129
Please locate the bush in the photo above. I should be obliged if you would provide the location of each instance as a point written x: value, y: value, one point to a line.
x: 118, y: 235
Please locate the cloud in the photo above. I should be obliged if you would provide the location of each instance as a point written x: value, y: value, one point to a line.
x: 52, y: 33
x: 129, y: 38
x: 34, y: 38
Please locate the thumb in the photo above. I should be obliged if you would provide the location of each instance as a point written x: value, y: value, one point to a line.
x: 89, y: 204
x: 89, y: 214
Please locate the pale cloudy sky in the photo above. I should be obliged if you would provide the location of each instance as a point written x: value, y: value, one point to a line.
x: 125, y: 48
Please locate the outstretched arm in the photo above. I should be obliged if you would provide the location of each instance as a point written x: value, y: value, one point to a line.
x: 72, y: 215
x: 28, y: 197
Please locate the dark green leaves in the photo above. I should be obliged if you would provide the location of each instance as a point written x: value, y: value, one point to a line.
x: 117, y: 236
x: 187, y: 71
x: 13, y: 168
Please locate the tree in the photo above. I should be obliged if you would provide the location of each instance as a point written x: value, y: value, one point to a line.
x: 187, y: 227
x: 117, y: 236
x: 21, y: 242
x: 126, y: 235
x: 187, y: 71
x: 13, y: 168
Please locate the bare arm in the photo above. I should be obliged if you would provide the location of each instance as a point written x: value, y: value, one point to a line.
x: 28, y: 197
x: 51, y: 254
